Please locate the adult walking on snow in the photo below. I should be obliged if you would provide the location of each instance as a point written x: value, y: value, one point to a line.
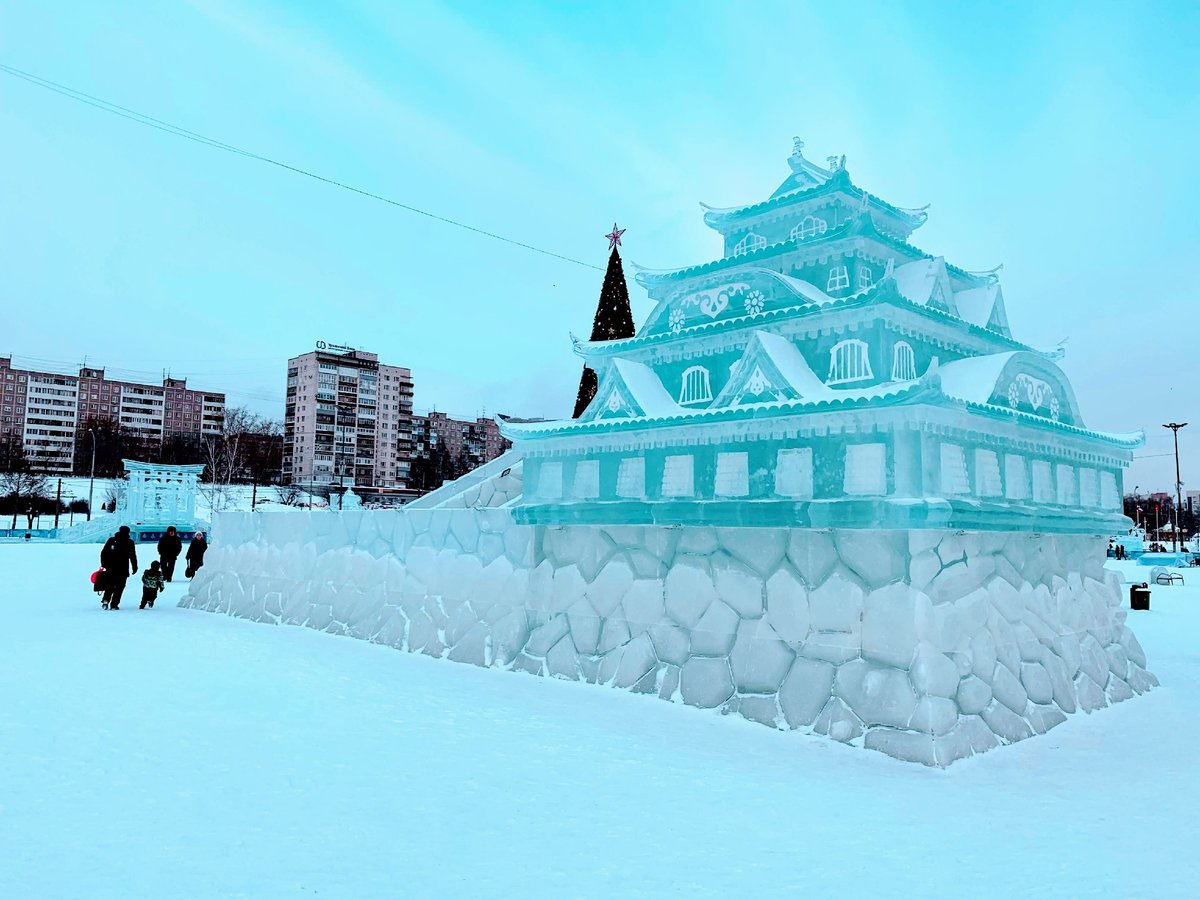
x: 195, y: 554
x: 169, y: 547
x: 117, y: 557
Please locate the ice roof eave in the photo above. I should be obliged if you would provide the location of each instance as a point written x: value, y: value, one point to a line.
x: 890, y: 393
x: 1125, y: 440
x: 715, y: 216
x: 599, y: 349
x: 648, y: 278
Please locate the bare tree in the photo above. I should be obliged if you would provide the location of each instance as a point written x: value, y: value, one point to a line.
x: 23, y: 488
x: 114, y: 494
x: 289, y: 494
x: 248, y: 447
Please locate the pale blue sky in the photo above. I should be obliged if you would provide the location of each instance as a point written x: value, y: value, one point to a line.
x: 1057, y: 139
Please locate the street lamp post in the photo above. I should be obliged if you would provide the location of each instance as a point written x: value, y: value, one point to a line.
x: 92, y: 477
x: 1175, y: 426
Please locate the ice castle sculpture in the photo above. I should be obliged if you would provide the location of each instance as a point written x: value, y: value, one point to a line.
x: 825, y: 373
x: 823, y: 487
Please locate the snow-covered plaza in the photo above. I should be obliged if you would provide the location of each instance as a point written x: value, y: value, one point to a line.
x: 176, y: 753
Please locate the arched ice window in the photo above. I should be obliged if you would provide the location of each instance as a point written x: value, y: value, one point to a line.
x: 839, y: 278
x: 848, y: 361
x: 749, y: 244
x: 695, y: 387
x: 809, y: 226
x: 904, y: 364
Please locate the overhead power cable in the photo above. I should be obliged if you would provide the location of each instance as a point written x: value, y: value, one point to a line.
x: 161, y: 125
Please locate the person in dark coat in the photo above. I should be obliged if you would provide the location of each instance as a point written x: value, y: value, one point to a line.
x: 169, y: 548
x: 118, y: 556
x: 195, y: 554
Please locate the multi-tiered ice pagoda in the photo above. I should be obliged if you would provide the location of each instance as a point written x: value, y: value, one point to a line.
x: 823, y: 488
x: 832, y: 373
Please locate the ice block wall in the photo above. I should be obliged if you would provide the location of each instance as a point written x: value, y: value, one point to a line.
x: 927, y: 645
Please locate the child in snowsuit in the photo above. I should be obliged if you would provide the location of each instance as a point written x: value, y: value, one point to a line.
x: 152, y: 585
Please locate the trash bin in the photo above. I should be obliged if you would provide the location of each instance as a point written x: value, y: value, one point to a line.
x: 1139, y: 596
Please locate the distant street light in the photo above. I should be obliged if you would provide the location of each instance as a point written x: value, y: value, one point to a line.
x: 1175, y: 426
x: 92, y: 478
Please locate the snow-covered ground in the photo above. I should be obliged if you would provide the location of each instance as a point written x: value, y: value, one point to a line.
x: 176, y: 753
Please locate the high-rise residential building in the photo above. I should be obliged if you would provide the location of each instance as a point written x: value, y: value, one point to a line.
x: 479, y: 440
x: 347, y: 420
x: 49, y: 412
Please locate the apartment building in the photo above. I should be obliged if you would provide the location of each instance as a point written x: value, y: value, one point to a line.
x: 49, y: 412
x: 479, y: 440
x: 347, y: 419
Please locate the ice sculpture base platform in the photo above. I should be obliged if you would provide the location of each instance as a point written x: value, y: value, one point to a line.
x: 929, y: 645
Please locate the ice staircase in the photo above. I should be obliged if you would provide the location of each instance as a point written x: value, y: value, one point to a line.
x: 497, y: 483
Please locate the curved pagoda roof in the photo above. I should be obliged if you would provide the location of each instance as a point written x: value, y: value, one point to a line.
x: 809, y: 182
x: 861, y: 225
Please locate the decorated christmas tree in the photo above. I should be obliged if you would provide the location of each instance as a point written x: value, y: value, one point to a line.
x: 614, y: 319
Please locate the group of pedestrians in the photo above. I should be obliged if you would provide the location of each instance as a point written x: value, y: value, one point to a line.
x: 118, y: 561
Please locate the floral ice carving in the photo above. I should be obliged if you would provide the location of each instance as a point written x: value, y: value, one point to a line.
x: 757, y: 384
x: 713, y: 306
x: 675, y: 320
x: 755, y: 301
x: 1035, y: 393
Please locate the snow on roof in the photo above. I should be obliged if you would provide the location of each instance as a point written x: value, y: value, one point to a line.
x: 792, y: 365
x: 647, y: 389
x: 975, y: 305
x: 973, y: 379
x: 801, y: 288
x: 915, y: 280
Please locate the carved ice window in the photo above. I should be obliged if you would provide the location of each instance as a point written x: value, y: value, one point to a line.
x: 839, y: 277
x: 631, y: 478
x: 904, y: 364
x: 550, y: 482
x: 1016, y: 477
x: 954, y: 471
x: 677, y: 476
x: 1068, y: 487
x: 865, y: 278
x: 865, y: 469
x: 793, y: 473
x: 695, y: 388
x: 1089, y: 487
x: 587, y: 479
x: 749, y: 244
x: 849, y: 361
x: 987, y: 474
x: 1043, y: 483
x: 1110, y: 497
x: 733, y: 475
x: 810, y: 226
